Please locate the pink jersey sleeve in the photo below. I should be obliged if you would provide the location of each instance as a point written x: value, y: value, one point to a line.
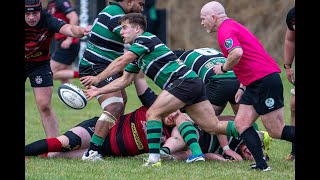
x: 228, y: 39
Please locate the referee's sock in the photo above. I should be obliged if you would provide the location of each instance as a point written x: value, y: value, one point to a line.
x: 252, y: 141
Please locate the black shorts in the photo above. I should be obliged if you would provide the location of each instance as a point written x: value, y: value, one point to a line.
x: 222, y: 90
x: 188, y: 90
x: 89, y: 125
x: 65, y: 56
x: 39, y: 73
x: 93, y: 70
x: 266, y: 94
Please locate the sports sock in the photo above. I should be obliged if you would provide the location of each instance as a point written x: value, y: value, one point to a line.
x: 75, y: 74
x: 255, y: 126
x: 231, y: 130
x: 154, y: 132
x: 95, y: 143
x: 165, y: 149
x: 251, y: 139
x: 289, y: 133
x: 190, y: 136
x: 43, y: 146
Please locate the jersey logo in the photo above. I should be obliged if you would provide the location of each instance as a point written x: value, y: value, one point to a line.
x: 269, y: 103
x: 228, y: 43
x: 38, y: 79
x: 136, y: 137
x: 209, y: 65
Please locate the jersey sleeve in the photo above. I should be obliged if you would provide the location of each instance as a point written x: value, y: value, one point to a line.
x: 228, y: 38
x: 142, y: 45
x: 64, y: 6
x: 132, y: 67
x: 54, y: 24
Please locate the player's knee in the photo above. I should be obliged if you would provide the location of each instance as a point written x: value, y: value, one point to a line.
x: 108, y: 118
x: 74, y: 142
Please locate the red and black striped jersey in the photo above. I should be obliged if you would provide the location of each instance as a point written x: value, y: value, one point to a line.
x: 38, y: 38
x: 128, y: 137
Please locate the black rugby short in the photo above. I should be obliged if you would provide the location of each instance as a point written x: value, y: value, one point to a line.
x: 39, y: 73
x: 188, y: 90
x: 222, y: 90
x: 266, y: 94
x: 93, y: 70
x: 65, y: 56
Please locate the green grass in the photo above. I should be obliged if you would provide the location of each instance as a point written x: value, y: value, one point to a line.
x: 130, y: 167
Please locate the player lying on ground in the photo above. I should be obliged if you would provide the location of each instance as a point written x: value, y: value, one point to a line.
x: 175, y: 148
x: 131, y: 128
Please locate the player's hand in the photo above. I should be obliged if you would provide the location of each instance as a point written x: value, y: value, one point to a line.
x: 87, y: 81
x: 87, y: 30
x: 238, y: 95
x: 91, y: 92
x: 290, y: 75
x: 66, y: 43
x: 217, y: 68
x: 234, y: 155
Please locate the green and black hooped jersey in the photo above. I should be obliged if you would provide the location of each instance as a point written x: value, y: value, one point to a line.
x: 105, y: 42
x: 202, y: 60
x: 157, y: 61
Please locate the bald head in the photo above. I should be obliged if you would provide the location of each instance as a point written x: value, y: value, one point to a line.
x: 213, y: 7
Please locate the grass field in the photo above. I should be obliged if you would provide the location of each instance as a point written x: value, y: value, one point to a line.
x: 130, y: 167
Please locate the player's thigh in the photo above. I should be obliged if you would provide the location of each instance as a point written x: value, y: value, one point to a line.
x: 165, y: 104
x: 203, y: 114
x: 57, y: 66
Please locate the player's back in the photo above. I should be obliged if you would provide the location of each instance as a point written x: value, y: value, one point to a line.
x: 105, y: 42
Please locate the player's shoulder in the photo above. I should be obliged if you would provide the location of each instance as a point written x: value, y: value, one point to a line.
x: 113, y: 9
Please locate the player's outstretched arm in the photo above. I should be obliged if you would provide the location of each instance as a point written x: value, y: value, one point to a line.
x: 116, y: 85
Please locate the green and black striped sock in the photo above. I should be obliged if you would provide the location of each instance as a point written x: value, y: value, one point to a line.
x: 165, y: 149
x: 154, y: 132
x: 190, y: 136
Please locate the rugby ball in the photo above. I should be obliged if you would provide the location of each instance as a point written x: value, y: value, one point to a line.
x: 72, y: 96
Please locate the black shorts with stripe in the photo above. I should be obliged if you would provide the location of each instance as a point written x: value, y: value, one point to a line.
x: 265, y: 95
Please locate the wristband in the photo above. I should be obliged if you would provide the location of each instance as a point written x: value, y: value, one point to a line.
x: 226, y: 148
x: 242, y: 89
x: 287, y: 66
x: 223, y: 69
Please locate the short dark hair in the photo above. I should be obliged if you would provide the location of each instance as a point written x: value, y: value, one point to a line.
x: 32, y: 5
x: 135, y: 18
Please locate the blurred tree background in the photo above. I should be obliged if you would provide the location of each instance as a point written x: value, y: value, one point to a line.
x: 264, y: 18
